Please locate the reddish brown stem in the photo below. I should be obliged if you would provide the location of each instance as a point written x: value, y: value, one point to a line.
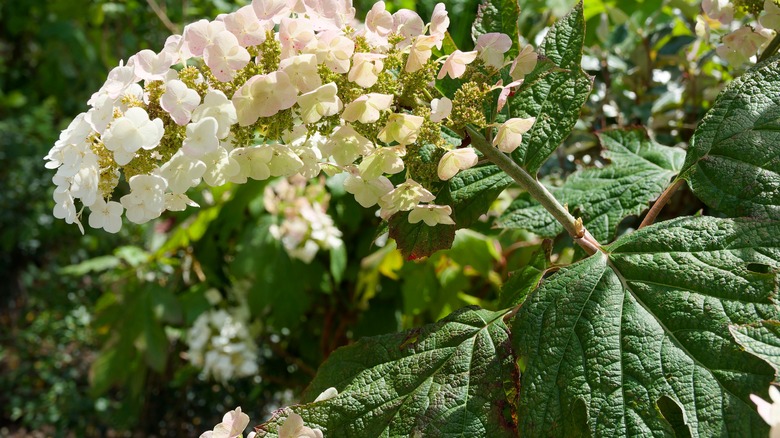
x: 660, y: 203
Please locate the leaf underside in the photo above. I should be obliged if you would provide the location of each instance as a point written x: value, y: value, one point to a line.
x: 442, y: 380
x: 605, y: 342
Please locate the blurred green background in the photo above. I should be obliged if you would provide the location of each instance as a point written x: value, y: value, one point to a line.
x: 92, y: 327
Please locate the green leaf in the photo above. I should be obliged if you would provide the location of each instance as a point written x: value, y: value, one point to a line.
x: 472, y: 191
x: 442, y: 380
x: 563, y: 43
x: 419, y: 240
x: 338, y: 262
x: 498, y: 16
x: 762, y: 340
x: 732, y: 163
x: 554, y: 96
x: 615, y: 336
x: 524, y: 280
x: 639, y: 172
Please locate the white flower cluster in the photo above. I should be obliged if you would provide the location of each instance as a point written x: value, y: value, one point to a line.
x: 222, y: 346
x: 275, y: 89
x: 305, y: 227
x: 738, y: 42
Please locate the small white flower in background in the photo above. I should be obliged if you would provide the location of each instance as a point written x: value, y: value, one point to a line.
x: 491, y: 48
x: 739, y: 46
x: 221, y: 345
x: 771, y: 18
x: 232, y: 425
x: 293, y: 427
x: 456, y: 160
x: 510, y: 133
x: 440, y: 109
x: 305, y: 227
x: 456, y: 63
x: 770, y: 412
x: 431, y: 214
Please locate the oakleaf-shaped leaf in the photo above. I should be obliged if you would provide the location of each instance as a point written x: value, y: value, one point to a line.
x: 555, y: 97
x: 732, y: 163
x: 605, y: 343
x: 639, y: 171
x: 442, y: 380
x: 762, y: 340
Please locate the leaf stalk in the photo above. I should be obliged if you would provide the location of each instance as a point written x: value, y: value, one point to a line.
x: 538, y: 191
x: 660, y: 203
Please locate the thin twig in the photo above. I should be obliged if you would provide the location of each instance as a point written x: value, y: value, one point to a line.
x: 660, y: 203
x: 539, y: 192
x: 161, y: 15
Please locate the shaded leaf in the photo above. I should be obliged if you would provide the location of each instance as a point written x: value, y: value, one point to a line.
x: 732, y: 163
x: 419, y: 240
x: 442, y: 380
x: 620, y: 331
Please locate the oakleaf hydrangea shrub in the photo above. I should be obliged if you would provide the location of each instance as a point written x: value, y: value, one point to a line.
x: 668, y: 329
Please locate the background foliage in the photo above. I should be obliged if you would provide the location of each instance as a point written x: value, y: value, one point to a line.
x: 91, y: 326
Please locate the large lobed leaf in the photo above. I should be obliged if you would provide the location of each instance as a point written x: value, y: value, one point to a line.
x: 555, y: 97
x: 639, y: 171
x: 443, y: 380
x: 622, y: 342
x: 732, y: 163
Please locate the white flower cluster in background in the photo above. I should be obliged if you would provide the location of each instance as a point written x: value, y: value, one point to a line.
x: 276, y: 89
x: 305, y: 226
x: 220, y: 343
x: 739, y: 42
